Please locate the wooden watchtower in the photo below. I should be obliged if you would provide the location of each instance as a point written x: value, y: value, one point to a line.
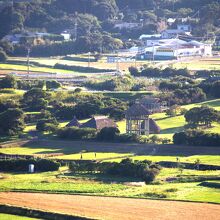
x: 137, y: 120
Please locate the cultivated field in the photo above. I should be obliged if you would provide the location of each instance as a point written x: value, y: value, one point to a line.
x: 197, y: 64
x: 202, y: 64
x: 113, y: 208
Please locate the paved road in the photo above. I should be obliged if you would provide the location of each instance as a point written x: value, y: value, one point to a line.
x: 113, y: 208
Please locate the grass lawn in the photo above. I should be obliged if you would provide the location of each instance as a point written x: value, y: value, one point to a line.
x: 6, y: 94
x: 92, y: 156
x: 128, y: 96
x: 35, y: 69
x: 53, y: 182
x: 171, y: 125
x: 14, y: 217
x: 204, y: 159
x: 47, y: 182
x: 102, y: 64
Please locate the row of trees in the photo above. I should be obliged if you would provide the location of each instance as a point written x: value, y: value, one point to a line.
x: 94, y: 42
x: 84, y: 106
x: 11, y: 82
x: 152, y: 72
x: 108, y: 134
x: 202, y: 116
x: 196, y: 138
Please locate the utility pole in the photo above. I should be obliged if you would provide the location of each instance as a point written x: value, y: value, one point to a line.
x: 117, y: 64
x: 28, y: 61
x: 12, y: 10
x: 89, y: 59
x: 75, y: 29
x: 135, y: 61
x: 153, y: 53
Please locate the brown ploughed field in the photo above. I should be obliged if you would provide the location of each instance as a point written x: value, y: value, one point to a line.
x: 113, y: 208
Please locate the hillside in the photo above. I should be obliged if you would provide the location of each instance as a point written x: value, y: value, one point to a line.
x: 102, y: 26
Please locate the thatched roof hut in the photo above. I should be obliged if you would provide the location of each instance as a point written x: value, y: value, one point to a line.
x: 74, y: 123
x: 99, y: 122
x: 152, y: 104
x: 154, y: 127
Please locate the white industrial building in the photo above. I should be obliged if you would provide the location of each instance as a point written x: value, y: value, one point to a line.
x: 168, y: 49
x: 150, y: 40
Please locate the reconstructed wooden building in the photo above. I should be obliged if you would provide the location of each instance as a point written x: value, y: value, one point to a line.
x: 138, y: 121
x: 97, y: 122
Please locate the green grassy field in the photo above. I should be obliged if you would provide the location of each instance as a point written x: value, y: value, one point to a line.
x: 74, y: 154
x: 92, y: 156
x: 207, y: 64
x: 6, y: 94
x: 204, y: 159
x: 128, y: 96
x: 171, y: 125
x: 32, y: 68
x: 101, y: 64
x: 94, y: 184
x: 14, y: 217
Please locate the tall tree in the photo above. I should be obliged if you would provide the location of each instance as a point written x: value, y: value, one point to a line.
x: 11, y: 122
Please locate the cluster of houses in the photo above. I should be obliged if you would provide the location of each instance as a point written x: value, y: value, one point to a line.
x: 17, y: 38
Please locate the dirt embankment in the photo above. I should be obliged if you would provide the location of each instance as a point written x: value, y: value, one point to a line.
x: 113, y: 208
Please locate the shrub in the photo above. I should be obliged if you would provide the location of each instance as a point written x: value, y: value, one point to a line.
x: 108, y: 134
x: 81, y: 68
x: 8, y: 82
x: 145, y: 170
x: 75, y: 133
x: 3, y: 56
x: 150, y: 175
x: 11, y: 121
x: 133, y: 71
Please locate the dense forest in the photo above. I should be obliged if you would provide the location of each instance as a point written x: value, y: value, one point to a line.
x: 92, y: 23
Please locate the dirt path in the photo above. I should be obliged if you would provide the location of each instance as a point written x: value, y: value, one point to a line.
x: 113, y: 208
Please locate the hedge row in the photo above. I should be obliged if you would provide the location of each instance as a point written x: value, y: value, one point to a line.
x: 20, y: 165
x: 79, y: 59
x: 197, y: 138
x: 190, y: 166
x: 33, y: 63
x: 82, y: 69
x: 210, y: 184
x: 37, y: 213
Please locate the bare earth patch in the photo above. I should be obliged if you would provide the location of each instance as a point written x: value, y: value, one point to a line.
x: 113, y: 208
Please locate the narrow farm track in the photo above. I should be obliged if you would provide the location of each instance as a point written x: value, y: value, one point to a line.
x: 113, y: 208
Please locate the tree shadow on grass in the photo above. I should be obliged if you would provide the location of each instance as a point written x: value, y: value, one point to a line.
x: 172, y: 130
